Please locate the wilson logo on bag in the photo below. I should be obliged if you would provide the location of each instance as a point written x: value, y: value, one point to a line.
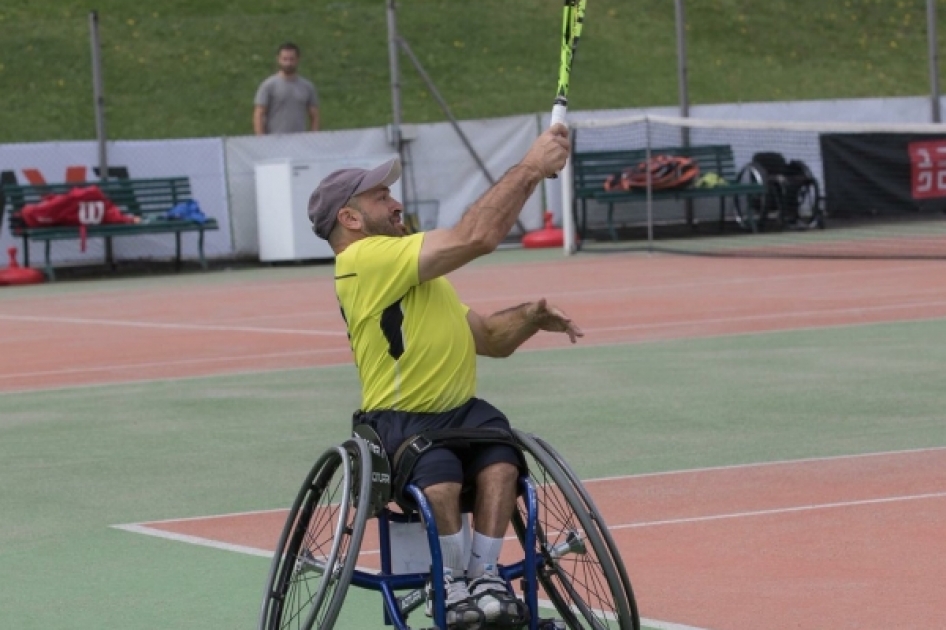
x: 91, y: 212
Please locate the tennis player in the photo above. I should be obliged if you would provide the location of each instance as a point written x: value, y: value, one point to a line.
x: 415, y: 346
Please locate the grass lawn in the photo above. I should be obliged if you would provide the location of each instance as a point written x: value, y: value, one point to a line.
x: 176, y: 68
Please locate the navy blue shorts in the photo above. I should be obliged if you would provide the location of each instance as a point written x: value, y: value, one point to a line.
x: 440, y: 465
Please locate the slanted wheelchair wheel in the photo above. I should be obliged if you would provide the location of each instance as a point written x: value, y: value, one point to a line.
x: 750, y: 210
x: 580, y: 570
x: 810, y: 212
x: 319, y: 544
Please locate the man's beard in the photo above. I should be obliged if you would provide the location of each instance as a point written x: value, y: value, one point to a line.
x: 381, y: 228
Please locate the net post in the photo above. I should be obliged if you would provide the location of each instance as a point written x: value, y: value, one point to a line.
x: 650, y: 189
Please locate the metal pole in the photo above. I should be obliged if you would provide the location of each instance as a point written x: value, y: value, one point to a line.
x: 683, y: 89
x: 446, y: 109
x: 569, y: 236
x: 650, y: 190
x: 98, y: 94
x: 934, y: 58
x: 395, y: 74
x: 432, y: 88
x: 682, y: 69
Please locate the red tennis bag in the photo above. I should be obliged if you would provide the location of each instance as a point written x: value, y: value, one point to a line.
x: 80, y: 207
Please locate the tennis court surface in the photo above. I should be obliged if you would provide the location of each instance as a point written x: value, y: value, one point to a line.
x: 763, y: 436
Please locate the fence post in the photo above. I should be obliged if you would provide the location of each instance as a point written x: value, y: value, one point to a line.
x: 98, y: 94
x: 933, y: 58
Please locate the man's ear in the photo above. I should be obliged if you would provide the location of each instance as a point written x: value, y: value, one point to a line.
x: 349, y: 218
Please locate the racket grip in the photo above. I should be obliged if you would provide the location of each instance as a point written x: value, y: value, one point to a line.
x: 558, y: 114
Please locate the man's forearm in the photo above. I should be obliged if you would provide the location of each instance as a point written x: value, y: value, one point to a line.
x: 508, y: 329
x: 489, y: 220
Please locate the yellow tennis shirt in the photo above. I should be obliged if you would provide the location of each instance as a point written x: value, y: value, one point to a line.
x: 412, y: 343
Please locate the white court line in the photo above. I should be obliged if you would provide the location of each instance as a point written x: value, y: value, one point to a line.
x: 779, y: 462
x: 784, y: 510
x: 660, y: 285
x: 667, y: 625
x: 657, y: 283
x: 171, y: 326
x: 193, y: 540
x: 141, y: 528
x: 262, y: 553
x: 771, y: 316
x: 252, y: 372
x: 161, y: 364
x: 334, y: 333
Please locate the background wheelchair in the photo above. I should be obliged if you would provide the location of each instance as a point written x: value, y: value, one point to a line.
x: 568, y: 562
x: 792, y: 201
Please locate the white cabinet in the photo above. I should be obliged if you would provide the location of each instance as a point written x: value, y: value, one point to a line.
x: 283, y: 188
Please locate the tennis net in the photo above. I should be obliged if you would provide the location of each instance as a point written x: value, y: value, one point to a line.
x: 762, y: 189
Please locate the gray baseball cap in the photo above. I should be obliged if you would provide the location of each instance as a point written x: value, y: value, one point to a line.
x: 336, y: 189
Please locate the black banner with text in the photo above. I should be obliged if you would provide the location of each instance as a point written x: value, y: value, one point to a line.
x: 883, y: 174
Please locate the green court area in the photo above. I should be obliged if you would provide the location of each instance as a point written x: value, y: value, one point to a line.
x: 74, y: 461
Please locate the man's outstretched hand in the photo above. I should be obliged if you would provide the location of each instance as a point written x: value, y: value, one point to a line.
x: 552, y: 319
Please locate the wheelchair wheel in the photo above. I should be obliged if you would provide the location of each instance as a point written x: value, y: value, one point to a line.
x: 580, y: 569
x: 750, y: 210
x: 808, y: 195
x: 319, y: 544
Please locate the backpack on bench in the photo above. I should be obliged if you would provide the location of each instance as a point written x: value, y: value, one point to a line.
x: 666, y: 172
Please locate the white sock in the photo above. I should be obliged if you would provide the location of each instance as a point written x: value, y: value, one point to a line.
x: 483, y: 552
x: 451, y: 547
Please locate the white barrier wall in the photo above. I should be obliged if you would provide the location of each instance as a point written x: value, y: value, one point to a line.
x: 199, y: 159
x: 245, y: 151
x: 445, y: 171
x: 438, y: 166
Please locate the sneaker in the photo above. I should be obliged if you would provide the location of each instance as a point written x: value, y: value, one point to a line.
x: 462, y: 612
x: 499, y: 605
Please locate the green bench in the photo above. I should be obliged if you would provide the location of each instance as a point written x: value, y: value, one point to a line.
x: 592, y: 168
x: 148, y: 199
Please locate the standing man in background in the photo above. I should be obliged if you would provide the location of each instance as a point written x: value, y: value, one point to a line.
x: 286, y: 102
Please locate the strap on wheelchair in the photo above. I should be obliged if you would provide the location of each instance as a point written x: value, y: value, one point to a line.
x: 380, y: 465
x: 407, y: 454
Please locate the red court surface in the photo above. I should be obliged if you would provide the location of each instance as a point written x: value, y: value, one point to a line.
x: 845, y: 542
x: 94, y: 337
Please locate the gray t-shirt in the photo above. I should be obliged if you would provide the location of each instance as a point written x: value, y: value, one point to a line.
x: 287, y: 103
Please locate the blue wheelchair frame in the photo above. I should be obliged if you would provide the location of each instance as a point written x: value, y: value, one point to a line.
x: 370, y: 497
x: 396, y: 609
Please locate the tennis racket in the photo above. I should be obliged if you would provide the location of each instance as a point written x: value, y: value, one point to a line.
x: 572, y: 18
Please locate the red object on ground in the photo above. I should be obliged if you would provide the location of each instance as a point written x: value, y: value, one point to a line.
x: 546, y: 237
x: 15, y: 274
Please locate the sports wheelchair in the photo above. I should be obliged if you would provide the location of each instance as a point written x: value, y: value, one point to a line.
x: 792, y: 199
x: 570, y: 574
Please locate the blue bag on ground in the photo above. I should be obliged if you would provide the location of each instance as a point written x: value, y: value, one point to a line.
x: 186, y: 211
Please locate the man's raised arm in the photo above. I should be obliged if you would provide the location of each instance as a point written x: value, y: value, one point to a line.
x: 487, y: 222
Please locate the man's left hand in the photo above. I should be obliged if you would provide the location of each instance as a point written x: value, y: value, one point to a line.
x: 552, y: 319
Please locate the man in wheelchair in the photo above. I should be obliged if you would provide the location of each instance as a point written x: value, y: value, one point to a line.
x: 415, y: 347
